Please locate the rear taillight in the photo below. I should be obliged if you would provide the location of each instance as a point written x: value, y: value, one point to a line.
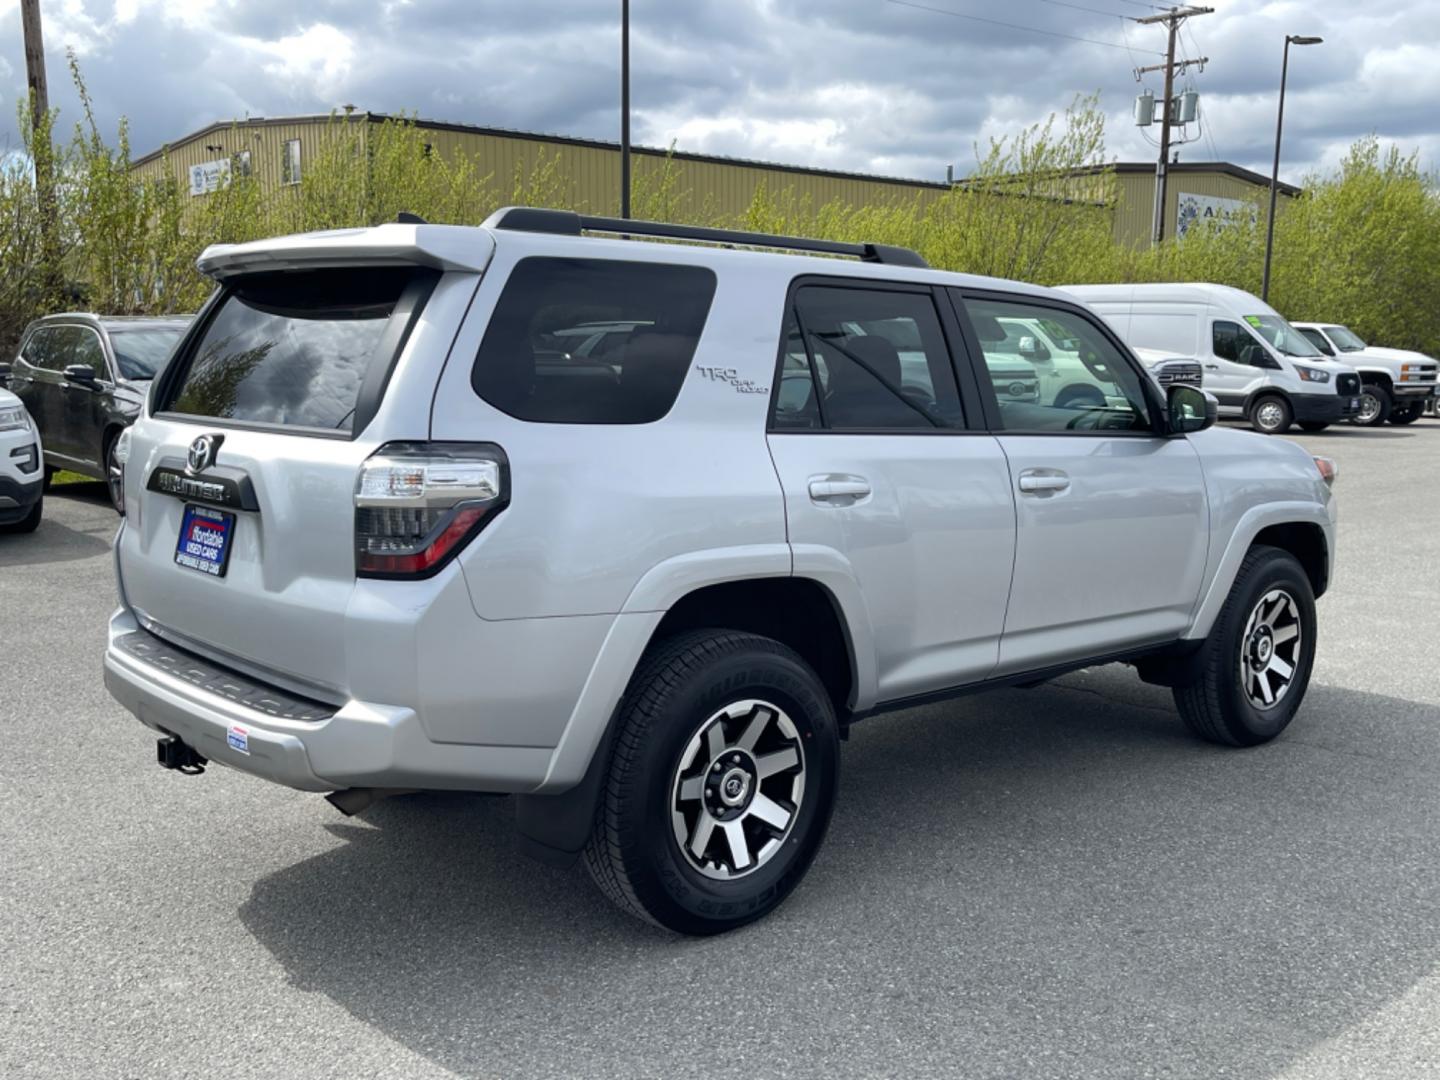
x: 418, y: 504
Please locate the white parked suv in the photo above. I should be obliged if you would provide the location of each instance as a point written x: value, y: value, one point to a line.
x: 22, y: 468
x: 1398, y: 385
x: 386, y: 530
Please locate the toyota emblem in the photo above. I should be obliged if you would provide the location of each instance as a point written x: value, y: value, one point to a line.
x: 202, y: 453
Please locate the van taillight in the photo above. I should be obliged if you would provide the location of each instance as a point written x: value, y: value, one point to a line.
x: 418, y: 504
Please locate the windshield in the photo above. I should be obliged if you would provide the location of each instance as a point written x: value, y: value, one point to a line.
x: 140, y: 353
x: 1281, y: 335
x: 1345, y: 340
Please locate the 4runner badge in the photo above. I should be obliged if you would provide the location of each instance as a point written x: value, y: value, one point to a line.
x: 731, y: 376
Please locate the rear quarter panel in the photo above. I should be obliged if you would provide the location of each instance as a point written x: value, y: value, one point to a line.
x: 596, y: 508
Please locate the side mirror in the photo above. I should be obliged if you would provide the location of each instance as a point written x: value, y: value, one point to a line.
x: 1190, y: 409
x: 1324, y: 346
x: 83, y: 374
x: 1031, y: 349
x: 5, y: 370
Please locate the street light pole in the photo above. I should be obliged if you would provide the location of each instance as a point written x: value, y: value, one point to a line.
x: 624, y: 108
x: 1290, y: 39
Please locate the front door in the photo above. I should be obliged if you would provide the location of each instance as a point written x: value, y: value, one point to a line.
x: 1112, y: 522
x: 1236, y: 367
x: 894, y: 495
x: 82, y: 407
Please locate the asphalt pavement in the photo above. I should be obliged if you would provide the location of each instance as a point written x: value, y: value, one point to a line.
x: 1055, y: 882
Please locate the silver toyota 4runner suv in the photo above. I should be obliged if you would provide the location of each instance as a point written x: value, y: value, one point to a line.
x: 636, y: 531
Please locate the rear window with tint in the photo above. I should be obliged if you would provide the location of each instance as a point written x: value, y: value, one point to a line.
x: 292, y: 348
x: 592, y: 341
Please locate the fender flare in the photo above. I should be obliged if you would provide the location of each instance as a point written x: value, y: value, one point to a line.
x: 1242, y: 536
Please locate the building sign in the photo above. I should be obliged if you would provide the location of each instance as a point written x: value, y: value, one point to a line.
x: 210, y: 176
x: 1192, y: 210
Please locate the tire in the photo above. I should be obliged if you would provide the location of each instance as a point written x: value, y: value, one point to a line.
x: 114, y: 475
x: 1314, y: 425
x: 1374, y: 406
x: 1224, y: 701
x: 693, y: 695
x: 30, y: 522
x: 1271, y: 415
x: 1408, y: 415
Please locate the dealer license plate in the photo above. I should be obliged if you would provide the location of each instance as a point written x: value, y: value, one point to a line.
x: 205, y: 539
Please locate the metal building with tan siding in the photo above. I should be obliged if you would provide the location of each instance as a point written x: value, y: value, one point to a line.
x: 587, y: 171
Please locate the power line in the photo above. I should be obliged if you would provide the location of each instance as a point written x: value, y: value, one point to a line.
x: 1082, y: 7
x: 1014, y: 26
x: 1204, y: 127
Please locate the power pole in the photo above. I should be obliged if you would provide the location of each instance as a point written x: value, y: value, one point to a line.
x: 624, y: 108
x: 1173, y: 19
x: 41, y: 150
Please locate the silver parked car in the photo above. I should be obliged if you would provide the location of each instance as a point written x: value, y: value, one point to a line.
x: 636, y: 531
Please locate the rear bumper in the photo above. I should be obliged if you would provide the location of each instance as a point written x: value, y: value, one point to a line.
x: 301, y: 744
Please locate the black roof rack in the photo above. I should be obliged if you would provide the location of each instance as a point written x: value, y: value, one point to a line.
x: 569, y: 223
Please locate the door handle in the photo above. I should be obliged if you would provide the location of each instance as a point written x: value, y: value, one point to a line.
x: 1036, y: 483
x: 851, y: 487
x: 1212, y: 367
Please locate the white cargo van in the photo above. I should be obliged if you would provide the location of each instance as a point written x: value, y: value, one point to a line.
x: 1257, y: 365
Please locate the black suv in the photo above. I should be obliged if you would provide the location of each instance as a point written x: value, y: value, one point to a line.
x: 83, y: 378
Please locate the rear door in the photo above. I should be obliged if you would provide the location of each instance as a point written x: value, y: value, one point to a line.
x: 883, y: 474
x: 81, y: 409
x: 1112, y: 522
x: 34, y: 381
x: 264, y: 418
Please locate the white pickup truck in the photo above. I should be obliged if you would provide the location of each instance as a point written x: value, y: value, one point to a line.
x: 1396, y: 384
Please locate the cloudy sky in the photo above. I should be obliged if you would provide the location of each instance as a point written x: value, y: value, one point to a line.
x: 866, y: 85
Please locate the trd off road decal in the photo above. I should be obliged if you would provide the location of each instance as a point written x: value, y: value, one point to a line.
x: 731, y: 376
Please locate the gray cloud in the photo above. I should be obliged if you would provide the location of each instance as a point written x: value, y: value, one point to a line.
x: 860, y: 84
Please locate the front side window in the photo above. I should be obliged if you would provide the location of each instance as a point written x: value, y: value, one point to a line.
x: 1233, y: 342
x: 41, y: 350
x: 291, y: 348
x: 1281, y: 335
x: 592, y: 341
x: 140, y: 353
x: 1091, y: 385
x: 1346, y: 340
x: 1316, y: 338
x: 857, y: 359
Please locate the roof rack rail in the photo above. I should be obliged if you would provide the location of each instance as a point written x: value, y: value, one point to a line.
x: 569, y: 223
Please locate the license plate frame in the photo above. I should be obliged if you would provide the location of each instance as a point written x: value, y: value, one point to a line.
x: 197, y: 550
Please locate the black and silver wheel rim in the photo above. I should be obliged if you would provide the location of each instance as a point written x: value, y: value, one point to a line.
x: 1369, y: 409
x: 737, y: 789
x: 1270, y: 649
x: 1270, y: 415
x: 114, y: 479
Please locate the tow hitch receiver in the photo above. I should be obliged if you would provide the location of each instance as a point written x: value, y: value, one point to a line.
x: 175, y: 754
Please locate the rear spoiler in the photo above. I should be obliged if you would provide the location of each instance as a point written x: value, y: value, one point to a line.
x: 441, y: 247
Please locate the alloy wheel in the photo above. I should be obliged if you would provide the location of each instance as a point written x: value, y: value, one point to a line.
x: 1270, y: 415
x: 1270, y: 649
x: 737, y: 789
x: 114, y: 478
x: 1369, y: 409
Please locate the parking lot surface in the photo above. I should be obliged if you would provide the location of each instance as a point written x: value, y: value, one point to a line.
x: 1055, y: 882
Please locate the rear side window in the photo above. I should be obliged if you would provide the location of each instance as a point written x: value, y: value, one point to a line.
x: 864, y: 359
x: 592, y: 341
x: 293, y: 349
